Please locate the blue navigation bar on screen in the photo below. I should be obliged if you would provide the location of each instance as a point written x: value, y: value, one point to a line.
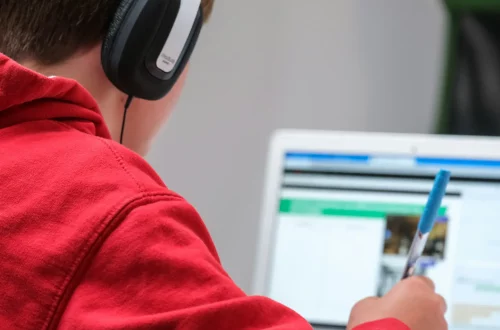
x: 367, y: 159
x: 317, y: 157
x: 457, y: 162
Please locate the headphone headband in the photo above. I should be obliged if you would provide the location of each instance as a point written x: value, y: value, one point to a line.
x: 179, y: 36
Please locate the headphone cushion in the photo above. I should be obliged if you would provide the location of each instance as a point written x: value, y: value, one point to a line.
x: 114, y: 27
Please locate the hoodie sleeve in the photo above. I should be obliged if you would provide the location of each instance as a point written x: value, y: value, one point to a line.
x: 159, y: 270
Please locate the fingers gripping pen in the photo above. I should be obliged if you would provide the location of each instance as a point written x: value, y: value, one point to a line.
x: 426, y: 222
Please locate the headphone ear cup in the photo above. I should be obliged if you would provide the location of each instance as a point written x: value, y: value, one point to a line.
x: 109, y: 39
x: 133, y: 46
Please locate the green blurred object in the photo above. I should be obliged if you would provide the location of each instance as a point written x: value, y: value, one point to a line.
x: 470, y: 97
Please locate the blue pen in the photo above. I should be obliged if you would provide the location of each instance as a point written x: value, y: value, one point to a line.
x: 427, y: 220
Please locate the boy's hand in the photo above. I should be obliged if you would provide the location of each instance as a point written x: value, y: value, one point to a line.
x: 412, y: 301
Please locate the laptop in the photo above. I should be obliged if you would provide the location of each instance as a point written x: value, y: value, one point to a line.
x: 340, y: 211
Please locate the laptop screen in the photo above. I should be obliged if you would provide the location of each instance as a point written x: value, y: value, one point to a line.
x: 345, y: 224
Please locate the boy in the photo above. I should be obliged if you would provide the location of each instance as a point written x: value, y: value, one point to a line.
x: 91, y: 237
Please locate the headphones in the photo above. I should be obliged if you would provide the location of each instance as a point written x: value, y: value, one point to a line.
x: 149, y: 43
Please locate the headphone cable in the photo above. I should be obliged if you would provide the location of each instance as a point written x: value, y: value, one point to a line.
x: 125, y: 110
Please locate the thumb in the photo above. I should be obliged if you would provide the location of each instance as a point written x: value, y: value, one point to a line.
x: 361, y: 312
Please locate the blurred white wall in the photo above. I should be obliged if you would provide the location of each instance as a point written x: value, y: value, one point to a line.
x: 268, y: 64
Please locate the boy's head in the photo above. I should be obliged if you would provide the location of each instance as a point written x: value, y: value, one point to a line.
x: 64, y: 38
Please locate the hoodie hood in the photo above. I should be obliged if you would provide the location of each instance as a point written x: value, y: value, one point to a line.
x: 26, y: 95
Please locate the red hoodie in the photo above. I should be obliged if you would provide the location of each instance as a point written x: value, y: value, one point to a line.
x: 90, y: 236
